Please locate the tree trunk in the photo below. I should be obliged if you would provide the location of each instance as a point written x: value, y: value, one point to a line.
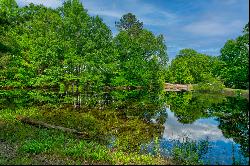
x: 46, y: 125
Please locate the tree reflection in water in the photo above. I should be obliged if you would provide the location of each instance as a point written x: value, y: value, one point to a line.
x: 135, y: 118
x: 231, y: 114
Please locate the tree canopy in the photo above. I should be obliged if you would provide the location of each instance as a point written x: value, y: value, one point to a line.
x: 190, y: 66
x: 129, y: 23
x: 69, y: 49
x: 235, y: 55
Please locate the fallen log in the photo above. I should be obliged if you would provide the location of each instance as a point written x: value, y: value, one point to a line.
x: 46, y: 125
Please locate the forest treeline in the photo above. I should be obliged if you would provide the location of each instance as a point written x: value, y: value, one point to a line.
x: 230, y: 68
x: 66, y: 48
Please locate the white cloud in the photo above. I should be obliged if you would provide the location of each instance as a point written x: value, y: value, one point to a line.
x: 213, y: 28
x: 210, y: 51
x: 162, y: 18
x: 48, y: 3
x: 115, y: 14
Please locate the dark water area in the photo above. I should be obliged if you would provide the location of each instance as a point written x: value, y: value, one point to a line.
x: 188, y: 127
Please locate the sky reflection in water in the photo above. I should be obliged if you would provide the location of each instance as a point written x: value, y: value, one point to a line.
x: 221, y: 149
x: 222, y: 121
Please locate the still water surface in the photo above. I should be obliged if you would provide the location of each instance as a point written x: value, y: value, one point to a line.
x: 221, y: 150
x: 222, y: 123
x: 209, y: 127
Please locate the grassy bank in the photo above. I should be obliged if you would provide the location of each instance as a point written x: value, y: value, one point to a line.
x: 226, y: 91
x: 24, y: 144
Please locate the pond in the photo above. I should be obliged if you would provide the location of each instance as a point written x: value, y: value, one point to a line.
x: 188, y: 127
x: 213, y: 126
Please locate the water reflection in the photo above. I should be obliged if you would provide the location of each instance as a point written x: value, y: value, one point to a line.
x: 124, y: 115
x: 200, y: 129
x: 132, y: 119
x: 223, y: 121
x: 233, y: 118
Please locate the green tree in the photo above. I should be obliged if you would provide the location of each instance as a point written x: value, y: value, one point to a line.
x: 190, y: 66
x: 8, y: 10
x: 65, y: 47
x: 129, y: 23
x: 235, y: 55
x: 8, y: 20
x: 142, y: 58
x: 179, y: 72
x: 58, y: 46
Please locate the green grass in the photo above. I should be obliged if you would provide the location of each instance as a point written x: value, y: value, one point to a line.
x: 34, y: 145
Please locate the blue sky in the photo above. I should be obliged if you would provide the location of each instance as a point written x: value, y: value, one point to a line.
x: 204, y: 25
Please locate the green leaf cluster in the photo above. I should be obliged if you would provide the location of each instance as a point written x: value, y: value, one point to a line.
x: 66, y: 47
x: 192, y: 67
x: 235, y: 55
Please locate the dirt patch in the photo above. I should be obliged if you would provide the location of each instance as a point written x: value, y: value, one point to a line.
x: 7, y: 150
x: 1, y: 123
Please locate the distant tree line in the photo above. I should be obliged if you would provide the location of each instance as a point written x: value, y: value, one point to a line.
x: 66, y: 48
x: 230, y: 68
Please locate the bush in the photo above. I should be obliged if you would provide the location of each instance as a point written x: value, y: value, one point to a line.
x: 210, y: 84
